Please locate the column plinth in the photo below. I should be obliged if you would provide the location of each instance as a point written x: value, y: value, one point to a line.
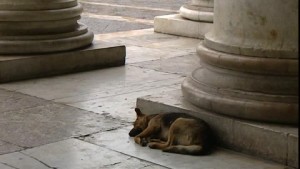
x: 249, y: 62
x: 36, y: 26
x: 198, y: 10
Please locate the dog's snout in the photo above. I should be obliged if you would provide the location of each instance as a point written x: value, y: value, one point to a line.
x: 135, y: 131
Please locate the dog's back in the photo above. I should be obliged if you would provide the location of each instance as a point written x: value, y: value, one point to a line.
x: 186, y: 134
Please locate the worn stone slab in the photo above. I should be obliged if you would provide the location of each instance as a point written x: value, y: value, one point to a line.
x: 120, y: 106
x: 293, y: 148
x: 136, y: 54
x: 8, y: 148
x: 105, y: 26
x: 98, y: 55
x: 176, y: 25
x: 262, y: 140
x: 104, y: 80
x: 10, y: 101
x: 125, y: 11
x: 182, y: 65
x: 119, y: 140
x: 49, y: 123
x: 72, y: 154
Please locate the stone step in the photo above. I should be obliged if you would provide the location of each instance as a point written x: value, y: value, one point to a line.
x: 176, y: 25
x: 278, y: 143
x: 98, y: 55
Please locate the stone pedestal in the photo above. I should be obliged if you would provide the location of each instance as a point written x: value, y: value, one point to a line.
x: 195, y: 19
x: 249, y: 62
x: 44, y: 28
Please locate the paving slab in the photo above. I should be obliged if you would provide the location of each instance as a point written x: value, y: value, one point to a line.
x: 72, y: 154
x: 105, y: 26
x: 121, y: 106
x: 125, y: 10
x: 50, y: 123
x: 10, y: 101
x: 88, y: 82
x: 119, y: 140
x: 6, y: 147
x: 182, y: 65
x: 240, y: 135
x: 137, y: 54
x: 163, y: 4
x: 96, y: 56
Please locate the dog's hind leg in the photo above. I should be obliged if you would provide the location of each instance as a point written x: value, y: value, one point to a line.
x: 189, y: 150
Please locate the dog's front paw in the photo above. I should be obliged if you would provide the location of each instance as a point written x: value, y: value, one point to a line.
x: 144, y: 142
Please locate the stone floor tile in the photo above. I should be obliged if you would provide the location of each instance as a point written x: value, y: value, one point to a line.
x: 21, y: 161
x: 120, y: 106
x: 141, y: 54
x: 10, y: 101
x: 72, y: 154
x: 107, y: 36
x: 106, y: 26
x: 182, y: 65
x: 4, y: 166
x: 182, y: 43
x: 163, y: 4
x: 119, y: 140
x: 8, y: 148
x: 293, y: 148
x: 147, y: 40
x: 87, y: 82
x: 50, y: 123
x: 173, y: 82
x: 125, y: 11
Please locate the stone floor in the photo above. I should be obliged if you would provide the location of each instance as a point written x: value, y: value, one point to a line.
x: 81, y: 121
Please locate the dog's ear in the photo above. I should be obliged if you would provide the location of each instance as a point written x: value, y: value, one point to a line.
x: 138, y: 112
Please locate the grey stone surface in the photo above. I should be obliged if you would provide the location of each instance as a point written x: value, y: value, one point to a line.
x: 105, y: 26
x: 293, y: 150
x: 98, y: 81
x: 181, y: 65
x: 262, y: 140
x: 49, y: 123
x: 8, y: 148
x: 10, y: 101
x: 72, y: 154
x: 161, y: 4
x: 126, y: 11
x: 99, y: 55
x: 120, y: 141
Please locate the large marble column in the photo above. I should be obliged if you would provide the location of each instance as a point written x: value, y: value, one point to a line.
x: 41, y: 38
x: 194, y: 20
x: 249, y: 62
x: 41, y: 26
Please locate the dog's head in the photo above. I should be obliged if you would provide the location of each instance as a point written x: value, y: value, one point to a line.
x: 140, y: 123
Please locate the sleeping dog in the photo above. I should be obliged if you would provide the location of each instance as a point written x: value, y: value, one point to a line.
x: 172, y: 132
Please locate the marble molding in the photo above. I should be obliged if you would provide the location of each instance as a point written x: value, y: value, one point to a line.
x: 249, y: 62
x: 195, y: 19
x: 198, y: 10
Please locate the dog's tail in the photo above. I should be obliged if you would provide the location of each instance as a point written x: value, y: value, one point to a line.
x: 189, y: 150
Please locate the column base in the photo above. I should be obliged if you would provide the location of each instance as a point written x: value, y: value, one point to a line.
x: 176, y: 25
x: 98, y: 55
x: 274, y: 142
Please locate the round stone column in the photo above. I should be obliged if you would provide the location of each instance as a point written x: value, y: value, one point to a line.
x: 41, y: 26
x: 249, y: 62
x: 198, y: 10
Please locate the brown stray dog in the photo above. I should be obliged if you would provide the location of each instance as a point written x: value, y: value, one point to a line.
x: 172, y: 132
